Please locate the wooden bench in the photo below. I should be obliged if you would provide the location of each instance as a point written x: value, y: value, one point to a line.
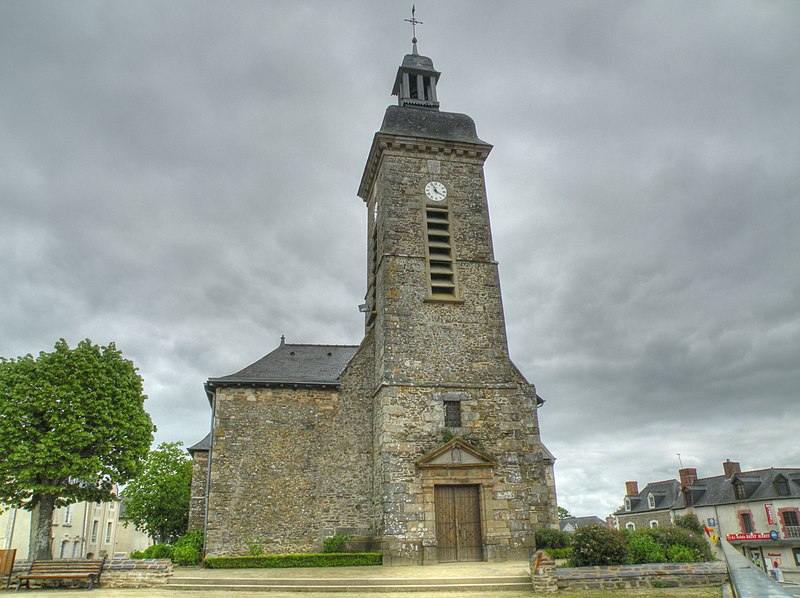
x: 88, y: 569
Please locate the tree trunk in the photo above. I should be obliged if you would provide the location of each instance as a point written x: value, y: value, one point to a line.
x: 41, y: 520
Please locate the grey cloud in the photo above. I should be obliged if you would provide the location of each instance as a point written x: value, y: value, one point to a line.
x: 181, y: 178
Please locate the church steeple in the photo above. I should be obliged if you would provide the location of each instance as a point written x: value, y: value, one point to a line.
x: 415, y: 84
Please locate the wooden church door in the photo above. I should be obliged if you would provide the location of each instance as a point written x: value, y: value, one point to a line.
x: 458, y: 523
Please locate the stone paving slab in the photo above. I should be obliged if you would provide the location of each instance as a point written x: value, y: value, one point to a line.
x: 448, y: 570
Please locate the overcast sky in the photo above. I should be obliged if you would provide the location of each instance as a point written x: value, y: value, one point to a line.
x: 180, y: 177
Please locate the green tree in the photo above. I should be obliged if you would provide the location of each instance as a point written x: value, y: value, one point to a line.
x: 563, y: 513
x: 157, y: 500
x: 689, y: 521
x: 72, y: 424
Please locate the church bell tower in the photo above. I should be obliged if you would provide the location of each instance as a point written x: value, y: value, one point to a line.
x: 460, y: 472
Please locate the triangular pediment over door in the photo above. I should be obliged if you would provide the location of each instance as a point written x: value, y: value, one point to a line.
x: 456, y: 453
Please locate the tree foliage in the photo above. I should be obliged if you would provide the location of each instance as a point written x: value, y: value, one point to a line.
x: 157, y: 500
x: 72, y: 424
x: 564, y: 514
x: 689, y: 521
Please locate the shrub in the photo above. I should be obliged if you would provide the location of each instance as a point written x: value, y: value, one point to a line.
x: 136, y: 554
x: 189, y: 549
x: 552, y: 538
x: 334, y: 543
x: 690, y: 522
x: 679, y: 536
x: 681, y: 554
x: 559, y: 553
x: 356, y: 559
x: 157, y: 551
x: 594, y: 545
x: 642, y: 548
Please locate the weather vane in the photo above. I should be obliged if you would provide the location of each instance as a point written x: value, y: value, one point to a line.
x: 414, y: 23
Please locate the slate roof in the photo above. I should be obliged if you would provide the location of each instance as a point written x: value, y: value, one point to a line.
x: 293, y: 364
x: 665, y: 492
x: 759, y: 486
x: 203, y: 445
x: 576, y: 522
x: 434, y: 124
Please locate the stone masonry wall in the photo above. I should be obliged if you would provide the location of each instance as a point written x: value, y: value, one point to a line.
x: 197, y: 502
x: 290, y: 467
x: 518, y: 494
x: 657, y: 575
x: 642, y: 519
x: 426, y: 348
x: 117, y: 573
x: 437, y: 342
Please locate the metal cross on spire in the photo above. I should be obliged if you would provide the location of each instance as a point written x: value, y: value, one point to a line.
x: 414, y: 23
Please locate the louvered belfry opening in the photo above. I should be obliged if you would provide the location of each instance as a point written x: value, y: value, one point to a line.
x: 441, y: 263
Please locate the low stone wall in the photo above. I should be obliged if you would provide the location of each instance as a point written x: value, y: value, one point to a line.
x: 117, y: 573
x: 654, y: 575
x: 135, y: 573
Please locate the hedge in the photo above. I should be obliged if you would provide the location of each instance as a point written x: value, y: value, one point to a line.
x: 274, y: 561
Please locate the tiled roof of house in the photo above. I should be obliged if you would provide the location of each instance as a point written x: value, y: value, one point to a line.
x: 576, y: 522
x: 757, y: 485
x: 666, y: 493
x: 293, y: 364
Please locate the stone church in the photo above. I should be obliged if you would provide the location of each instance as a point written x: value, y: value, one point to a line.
x: 422, y: 442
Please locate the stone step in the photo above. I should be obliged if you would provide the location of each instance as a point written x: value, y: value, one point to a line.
x: 334, y: 581
x: 427, y: 585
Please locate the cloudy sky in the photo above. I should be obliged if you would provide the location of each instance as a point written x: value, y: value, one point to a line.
x: 180, y: 177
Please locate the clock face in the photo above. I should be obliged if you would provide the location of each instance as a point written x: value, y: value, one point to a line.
x: 435, y: 191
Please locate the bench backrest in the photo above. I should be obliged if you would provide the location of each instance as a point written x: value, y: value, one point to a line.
x: 7, y: 561
x: 67, y: 566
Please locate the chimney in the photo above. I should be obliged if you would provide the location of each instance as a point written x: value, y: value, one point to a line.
x: 687, y: 476
x: 632, y: 488
x: 730, y: 468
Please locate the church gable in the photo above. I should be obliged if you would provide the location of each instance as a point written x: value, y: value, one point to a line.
x: 456, y: 453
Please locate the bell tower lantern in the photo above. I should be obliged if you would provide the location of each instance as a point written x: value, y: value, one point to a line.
x: 415, y: 84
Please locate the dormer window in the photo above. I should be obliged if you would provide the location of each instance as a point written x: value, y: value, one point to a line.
x: 651, y: 501
x: 627, y: 504
x: 738, y: 490
x: 781, y: 486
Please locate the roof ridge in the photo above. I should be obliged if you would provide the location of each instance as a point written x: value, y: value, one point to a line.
x: 317, y: 345
x: 660, y: 482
